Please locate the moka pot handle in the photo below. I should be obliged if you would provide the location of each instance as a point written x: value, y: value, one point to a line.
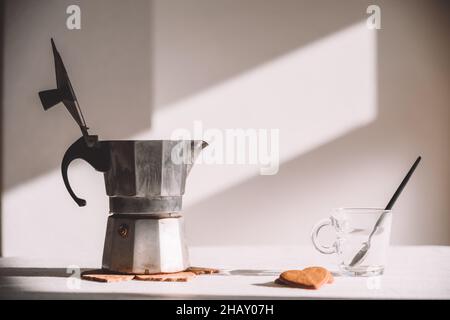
x: 98, y: 156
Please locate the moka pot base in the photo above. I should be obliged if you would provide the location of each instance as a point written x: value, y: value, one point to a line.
x: 145, y: 244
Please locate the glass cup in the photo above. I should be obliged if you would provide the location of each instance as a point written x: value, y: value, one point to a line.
x: 362, y: 239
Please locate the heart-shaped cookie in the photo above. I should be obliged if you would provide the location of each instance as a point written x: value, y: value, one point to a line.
x: 314, y: 269
x: 308, y: 278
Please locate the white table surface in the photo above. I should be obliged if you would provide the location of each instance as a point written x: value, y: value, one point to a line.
x: 415, y: 272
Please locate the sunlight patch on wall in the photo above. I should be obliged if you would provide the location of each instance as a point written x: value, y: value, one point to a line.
x: 313, y: 95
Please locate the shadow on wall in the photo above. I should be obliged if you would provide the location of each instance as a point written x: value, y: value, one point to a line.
x: 194, y: 46
x: 201, y: 43
x: 363, y: 167
x: 108, y: 62
x: 2, y: 10
x: 198, y: 44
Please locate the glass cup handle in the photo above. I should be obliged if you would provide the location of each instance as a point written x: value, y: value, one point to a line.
x: 315, y: 233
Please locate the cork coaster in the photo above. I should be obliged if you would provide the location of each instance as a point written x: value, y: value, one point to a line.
x: 101, y: 275
x: 200, y: 270
x: 105, y: 276
x: 172, y: 277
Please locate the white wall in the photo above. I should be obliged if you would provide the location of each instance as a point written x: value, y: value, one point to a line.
x: 354, y: 108
x: 223, y: 53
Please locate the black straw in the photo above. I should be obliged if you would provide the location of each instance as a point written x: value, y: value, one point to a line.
x: 402, y: 185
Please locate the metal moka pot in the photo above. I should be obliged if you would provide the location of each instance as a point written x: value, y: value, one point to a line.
x: 145, y: 182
